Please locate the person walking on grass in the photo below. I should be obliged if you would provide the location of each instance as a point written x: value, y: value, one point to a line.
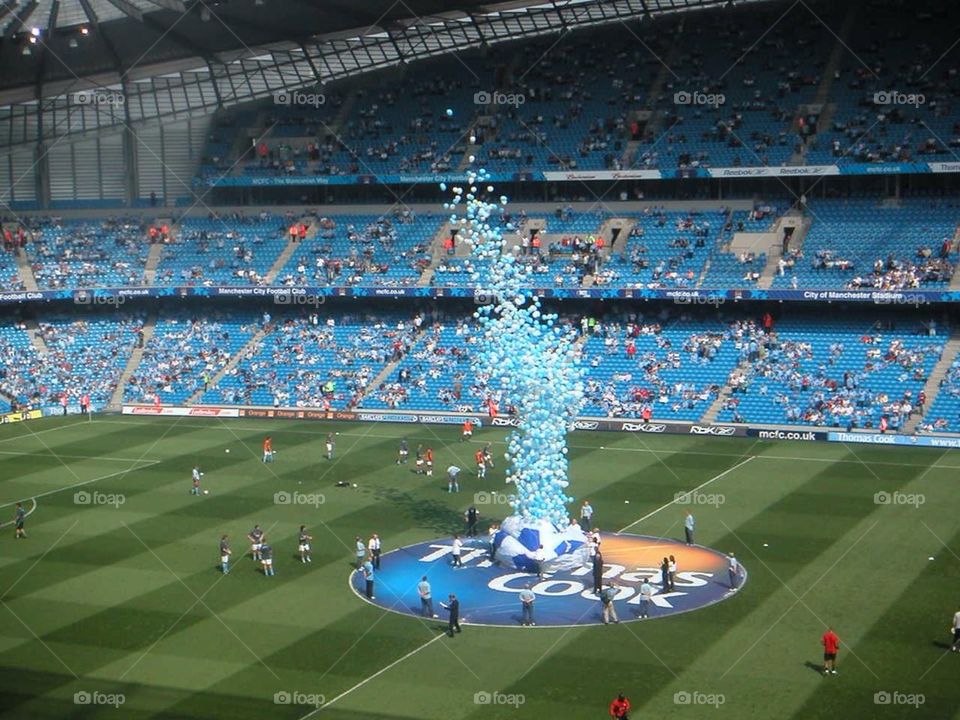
x: 688, y: 525
x: 224, y: 555
x: 471, y: 515
x: 19, y: 516
x: 453, y: 484
x: 360, y: 553
x: 619, y: 707
x: 586, y: 516
x: 303, y: 544
x: 733, y: 571
x: 374, y: 548
x: 452, y: 606
x: 831, y: 644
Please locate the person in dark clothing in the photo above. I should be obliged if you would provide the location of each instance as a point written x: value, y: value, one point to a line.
x: 453, y: 607
x: 471, y: 515
x: 597, y: 573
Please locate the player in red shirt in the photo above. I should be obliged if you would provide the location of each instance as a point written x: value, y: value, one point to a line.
x: 467, y: 431
x: 267, y: 449
x: 619, y: 707
x: 428, y: 457
x: 831, y: 643
x: 481, y: 464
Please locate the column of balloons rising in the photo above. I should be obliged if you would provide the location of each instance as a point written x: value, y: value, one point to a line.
x: 528, y: 356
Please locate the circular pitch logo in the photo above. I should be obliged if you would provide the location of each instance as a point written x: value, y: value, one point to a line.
x: 488, y: 593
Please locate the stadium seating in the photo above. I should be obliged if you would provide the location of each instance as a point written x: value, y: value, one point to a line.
x: 183, y: 352
x: 848, y: 372
x: 229, y: 250
x: 299, y: 355
x: 87, y: 354
x: 363, y: 250
x: 72, y: 254
x: 849, y: 237
x: 943, y: 415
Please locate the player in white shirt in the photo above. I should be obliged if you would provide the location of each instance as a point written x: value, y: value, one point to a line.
x: 457, y: 549
x: 373, y: 546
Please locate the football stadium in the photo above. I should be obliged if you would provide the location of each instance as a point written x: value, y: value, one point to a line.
x: 461, y: 360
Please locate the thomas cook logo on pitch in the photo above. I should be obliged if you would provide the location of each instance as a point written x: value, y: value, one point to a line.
x: 644, y: 577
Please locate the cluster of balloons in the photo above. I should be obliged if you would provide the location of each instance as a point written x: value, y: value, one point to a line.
x: 524, y: 352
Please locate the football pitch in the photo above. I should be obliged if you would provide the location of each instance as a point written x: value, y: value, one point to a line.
x: 114, y: 607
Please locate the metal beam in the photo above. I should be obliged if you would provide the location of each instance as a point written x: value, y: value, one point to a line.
x: 175, y: 5
x: 52, y: 21
x: 20, y: 19
x: 127, y: 9
x: 7, y: 8
x: 91, y: 14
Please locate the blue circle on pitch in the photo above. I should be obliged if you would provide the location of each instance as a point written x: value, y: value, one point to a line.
x: 488, y: 593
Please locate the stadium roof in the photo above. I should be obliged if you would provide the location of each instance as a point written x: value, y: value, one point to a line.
x: 183, y: 58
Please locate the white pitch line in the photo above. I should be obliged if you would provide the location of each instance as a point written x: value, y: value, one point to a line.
x: 41, y: 432
x: 26, y: 515
x: 71, y: 457
x: 375, y: 675
x: 701, y: 485
x: 149, y: 463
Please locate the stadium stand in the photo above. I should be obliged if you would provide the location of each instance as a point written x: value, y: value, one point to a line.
x: 849, y: 372
x: 67, y: 253
x: 184, y: 355
x: 868, y: 244
x: 82, y: 355
x: 234, y: 249
x: 309, y: 361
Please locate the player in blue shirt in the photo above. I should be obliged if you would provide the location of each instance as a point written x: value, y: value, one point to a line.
x: 256, y: 540
x: 266, y: 559
x: 224, y: 554
x: 303, y: 544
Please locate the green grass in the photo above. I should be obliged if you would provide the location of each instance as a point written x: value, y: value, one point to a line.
x: 126, y: 599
